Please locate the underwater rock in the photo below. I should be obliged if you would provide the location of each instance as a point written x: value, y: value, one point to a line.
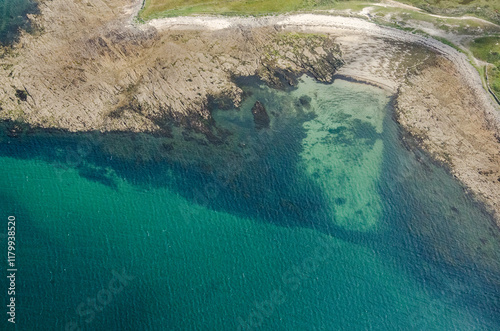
x: 305, y: 101
x: 260, y: 116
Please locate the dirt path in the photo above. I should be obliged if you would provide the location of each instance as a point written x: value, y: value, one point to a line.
x: 395, y: 4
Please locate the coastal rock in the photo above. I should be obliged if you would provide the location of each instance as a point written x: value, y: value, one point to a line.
x: 291, y: 55
x: 260, y: 116
x: 437, y: 107
x: 89, y: 68
x: 305, y: 101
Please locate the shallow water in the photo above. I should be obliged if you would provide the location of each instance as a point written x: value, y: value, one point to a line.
x: 324, y: 221
x: 13, y: 17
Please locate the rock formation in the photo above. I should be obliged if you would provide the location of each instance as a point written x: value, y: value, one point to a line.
x: 90, y: 69
x: 260, y: 116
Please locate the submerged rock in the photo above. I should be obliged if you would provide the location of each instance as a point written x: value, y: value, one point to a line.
x: 260, y: 116
x: 305, y: 101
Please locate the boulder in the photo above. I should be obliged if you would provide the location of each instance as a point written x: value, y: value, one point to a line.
x: 260, y: 116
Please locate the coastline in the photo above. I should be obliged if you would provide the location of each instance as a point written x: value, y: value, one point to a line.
x: 337, y: 25
x: 487, y: 111
x: 117, y: 75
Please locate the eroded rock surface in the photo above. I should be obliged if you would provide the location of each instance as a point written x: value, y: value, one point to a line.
x: 89, y: 69
x: 438, y: 107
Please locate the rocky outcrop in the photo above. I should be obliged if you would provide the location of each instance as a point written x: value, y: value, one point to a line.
x: 92, y: 70
x: 437, y: 107
x: 292, y: 54
x: 260, y: 116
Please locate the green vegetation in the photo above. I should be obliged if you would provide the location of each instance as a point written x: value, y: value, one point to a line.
x: 166, y: 8
x: 487, y: 49
x: 449, y: 43
x: 408, y: 17
x: 487, y: 9
x: 484, y: 48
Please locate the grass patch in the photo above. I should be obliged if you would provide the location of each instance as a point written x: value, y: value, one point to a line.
x: 450, y: 24
x: 168, y: 8
x: 494, y: 80
x: 487, y: 49
x: 487, y: 9
x: 345, y: 5
x: 449, y: 43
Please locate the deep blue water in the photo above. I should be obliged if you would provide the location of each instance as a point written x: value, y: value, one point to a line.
x: 328, y: 220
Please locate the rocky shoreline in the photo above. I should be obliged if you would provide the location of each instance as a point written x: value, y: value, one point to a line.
x: 92, y: 68
x: 440, y: 99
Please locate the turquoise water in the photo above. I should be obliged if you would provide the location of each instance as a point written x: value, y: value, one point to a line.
x: 13, y: 17
x: 324, y: 221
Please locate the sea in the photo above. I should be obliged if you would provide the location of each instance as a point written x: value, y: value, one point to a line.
x: 13, y: 18
x: 330, y: 218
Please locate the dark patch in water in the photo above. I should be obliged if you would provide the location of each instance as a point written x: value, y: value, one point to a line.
x: 13, y: 17
x: 98, y: 175
x: 340, y: 201
x: 338, y: 131
x: 305, y: 101
x: 364, y: 130
x: 352, y: 132
x: 269, y: 187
